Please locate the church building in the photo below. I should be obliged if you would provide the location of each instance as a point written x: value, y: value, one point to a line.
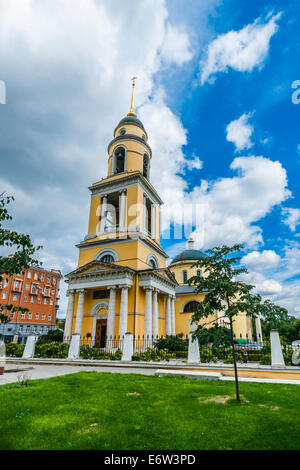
x: 122, y: 282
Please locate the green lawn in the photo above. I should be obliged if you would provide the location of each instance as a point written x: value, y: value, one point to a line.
x: 92, y: 410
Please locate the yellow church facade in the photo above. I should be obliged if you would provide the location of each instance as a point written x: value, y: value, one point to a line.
x: 122, y: 283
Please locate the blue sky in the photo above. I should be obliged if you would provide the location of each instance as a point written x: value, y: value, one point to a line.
x: 214, y: 92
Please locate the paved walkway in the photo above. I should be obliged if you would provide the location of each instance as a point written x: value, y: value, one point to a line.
x: 16, y: 372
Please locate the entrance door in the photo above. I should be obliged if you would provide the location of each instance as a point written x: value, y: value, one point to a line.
x: 101, y: 326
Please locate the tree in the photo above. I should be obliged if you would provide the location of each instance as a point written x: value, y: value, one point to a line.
x: 20, y: 260
x: 227, y: 294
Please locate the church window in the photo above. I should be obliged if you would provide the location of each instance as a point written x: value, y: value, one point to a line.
x: 191, y: 307
x: 198, y: 273
x: 119, y: 160
x: 184, y: 277
x: 122, y: 131
x: 152, y: 261
x: 100, y: 294
x: 146, y: 166
x: 107, y: 259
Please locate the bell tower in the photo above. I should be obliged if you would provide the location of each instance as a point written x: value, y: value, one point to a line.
x: 125, y: 207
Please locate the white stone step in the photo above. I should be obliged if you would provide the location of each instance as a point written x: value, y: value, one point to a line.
x: 192, y: 374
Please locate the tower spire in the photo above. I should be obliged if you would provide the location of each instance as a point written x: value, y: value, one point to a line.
x: 131, y: 112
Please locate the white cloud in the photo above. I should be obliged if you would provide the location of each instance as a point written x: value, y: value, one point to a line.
x: 194, y: 164
x: 176, y: 47
x: 257, y: 261
x: 291, y: 217
x: 240, y: 50
x: 240, y: 131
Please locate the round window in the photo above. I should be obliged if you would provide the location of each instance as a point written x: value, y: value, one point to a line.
x: 122, y: 132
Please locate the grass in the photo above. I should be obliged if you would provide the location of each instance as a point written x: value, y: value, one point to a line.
x: 92, y: 410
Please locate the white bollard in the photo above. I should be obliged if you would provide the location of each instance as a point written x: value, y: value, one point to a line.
x: 74, y: 349
x: 127, y: 347
x: 29, y: 347
x: 194, y: 353
x: 2, y: 357
x: 276, y: 351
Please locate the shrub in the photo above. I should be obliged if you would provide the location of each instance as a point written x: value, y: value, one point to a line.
x: 86, y: 352
x: 265, y: 359
x: 172, y: 343
x: 229, y: 358
x: 56, y: 336
x: 51, y: 350
x: 14, y: 349
x: 153, y: 355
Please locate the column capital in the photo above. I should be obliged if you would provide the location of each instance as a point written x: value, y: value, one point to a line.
x: 81, y: 291
x: 149, y: 288
x: 70, y: 292
x: 112, y: 287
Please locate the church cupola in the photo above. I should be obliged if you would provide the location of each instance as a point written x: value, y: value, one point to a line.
x: 129, y: 150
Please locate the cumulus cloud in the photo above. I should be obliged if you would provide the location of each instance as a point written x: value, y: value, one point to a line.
x: 291, y: 217
x: 267, y: 259
x: 241, y: 50
x: 239, y: 132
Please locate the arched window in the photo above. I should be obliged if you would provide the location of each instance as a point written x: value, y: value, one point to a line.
x: 184, y: 277
x: 191, y: 307
x: 107, y: 255
x: 146, y: 166
x: 152, y: 261
x: 119, y: 160
x: 198, y: 273
x: 107, y: 259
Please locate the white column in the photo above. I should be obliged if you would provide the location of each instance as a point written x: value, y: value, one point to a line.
x: 79, y: 313
x: 168, y: 315
x: 153, y: 221
x: 173, y: 316
x: 111, y: 313
x: 154, y: 314
x: 69, y: 315
x: 122, y: 218
x: 148, y: 313
x: 258, y: 329
x: 123, y: 311
x: 103, y: 214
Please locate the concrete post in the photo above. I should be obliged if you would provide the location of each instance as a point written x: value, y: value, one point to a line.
x: 276, y: 350
x: 2, y: 357
x: 79, y: 313
x: 69, y: 316
x: 74, y: 349
x: 123, y: 311
x: 168, y: 316
x: 154, y: 314
x: 127, y: 347
x: 193, y: 352
x: 29, y: 347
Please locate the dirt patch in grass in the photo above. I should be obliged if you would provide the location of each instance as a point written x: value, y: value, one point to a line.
x: 272, y: 408
x: 222, y: 399
x: 133, y: 394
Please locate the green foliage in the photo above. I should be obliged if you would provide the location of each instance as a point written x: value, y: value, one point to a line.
x: 172, y: 343
x: 216, y: 335
x: 51, y: 350
x: 21, y: 259
x: 86, y: 352
x: 153, y: 355
x: 229, y: 358
x: 14, y: 349
x: 52, y: 336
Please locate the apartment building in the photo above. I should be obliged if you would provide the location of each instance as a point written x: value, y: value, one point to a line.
x: 36, y: 289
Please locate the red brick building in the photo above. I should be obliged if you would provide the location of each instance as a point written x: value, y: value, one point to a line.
x: 36, y: 289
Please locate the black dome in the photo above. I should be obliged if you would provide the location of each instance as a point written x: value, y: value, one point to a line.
x: 131, y: 120
x: 188, y: 255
